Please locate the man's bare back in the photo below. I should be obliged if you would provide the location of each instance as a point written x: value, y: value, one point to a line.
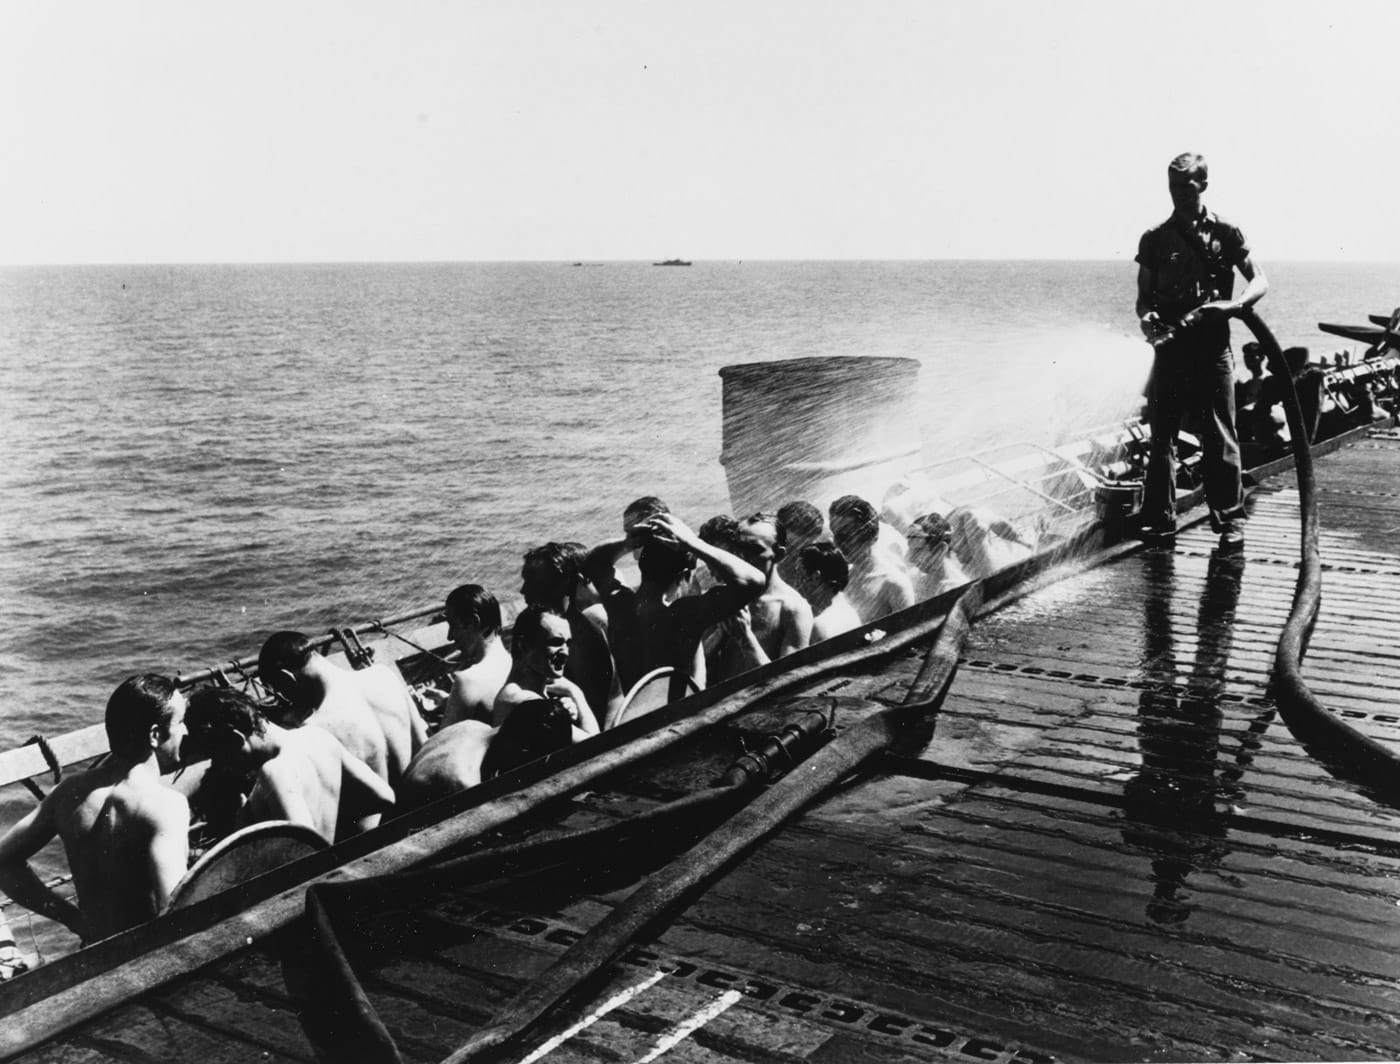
x: 126, y: 836
x: 127, y: 843
x: 313, y: 780
x: 126, y: 833
x: 878, y: 588
x: 347, y: 714
x: 448, y: 762
x: 404, y: 730
x: 474, y: 689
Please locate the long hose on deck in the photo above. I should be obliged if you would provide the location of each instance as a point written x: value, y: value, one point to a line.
x: 1329, y: 738
x: 338, y: 1016
x: 664, y: 891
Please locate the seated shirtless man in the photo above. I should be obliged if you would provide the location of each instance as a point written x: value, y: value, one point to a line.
x: 474, y: 626
x: 303, y: 774
x: 125, y: 832
x: 933, y: 565
x: 462, y: 755
x: 800, y: 523
x: 540, y: 649
x: 657, y: 624
x: 878, y: 585
x: 985, y: 543
x: 827, y: 574
x: 381, y: 733
x: 550, y: 578
x: 779, y: 621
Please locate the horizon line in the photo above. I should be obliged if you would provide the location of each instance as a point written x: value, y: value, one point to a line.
x: 569, y: 262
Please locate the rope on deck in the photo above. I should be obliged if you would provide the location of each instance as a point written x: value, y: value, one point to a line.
x: 1343, y: 749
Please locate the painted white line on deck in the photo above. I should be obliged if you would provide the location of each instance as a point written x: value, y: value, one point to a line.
x: 687, y: 1027
x: 616, y: 1001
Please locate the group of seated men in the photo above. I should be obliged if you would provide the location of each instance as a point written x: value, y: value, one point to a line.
x: 334, y: 748
x: 706, y: 606
x: 326, y: 754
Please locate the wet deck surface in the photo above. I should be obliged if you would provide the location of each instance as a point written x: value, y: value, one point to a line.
x: 1112, y: 850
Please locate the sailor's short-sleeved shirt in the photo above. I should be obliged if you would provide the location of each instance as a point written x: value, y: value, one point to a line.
x: 1191, y: 262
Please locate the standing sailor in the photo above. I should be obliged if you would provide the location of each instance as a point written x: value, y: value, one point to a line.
x: 1185, y: 282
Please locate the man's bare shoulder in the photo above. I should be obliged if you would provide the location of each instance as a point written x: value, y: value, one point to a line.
x: 790, y: 600
x: 345, y: 701
x: 383, y: 685
x: 310, y: 740
x: 157, y: 804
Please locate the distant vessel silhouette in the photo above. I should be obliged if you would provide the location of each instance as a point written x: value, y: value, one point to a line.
x: 672, y: 262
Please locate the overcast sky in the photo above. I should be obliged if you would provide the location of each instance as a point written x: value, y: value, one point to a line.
x: 791, y: 129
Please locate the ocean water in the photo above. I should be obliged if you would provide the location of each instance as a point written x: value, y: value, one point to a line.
x: 195, y: 456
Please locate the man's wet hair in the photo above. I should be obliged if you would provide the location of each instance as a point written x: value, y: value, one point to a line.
x: 530, y: 731
x: 1189, y: 165
x: 663, y: 565
x: 138, y: 705
x: 528, y: 626
x: 210, y: 707
x: 576, y: 552
x: 854, y: 521
x: 473, y: 603
x: 719, y: 531
x: 282, y: 650
x: 932, y: 527
x: 646, y: 506
x: 825, y: 562
x: 555, y: 565
x: 800, y: 519
x: 765, y: 517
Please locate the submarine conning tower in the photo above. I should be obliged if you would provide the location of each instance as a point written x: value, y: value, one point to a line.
x: 818, y: 428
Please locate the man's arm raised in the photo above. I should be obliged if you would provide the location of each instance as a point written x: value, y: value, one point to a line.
x: 730, y: 568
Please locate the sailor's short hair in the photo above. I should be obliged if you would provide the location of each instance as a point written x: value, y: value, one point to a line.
x: 1190, y: 165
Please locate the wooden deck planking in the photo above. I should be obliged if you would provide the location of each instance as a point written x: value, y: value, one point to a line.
x: 1039, y: 910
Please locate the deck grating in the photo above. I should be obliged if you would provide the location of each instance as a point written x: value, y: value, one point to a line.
x: 1113, y: 849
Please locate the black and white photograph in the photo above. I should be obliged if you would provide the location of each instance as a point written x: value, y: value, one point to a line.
x: 715, y: 533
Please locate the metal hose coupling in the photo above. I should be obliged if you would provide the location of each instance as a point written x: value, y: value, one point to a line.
x: 780, y: 751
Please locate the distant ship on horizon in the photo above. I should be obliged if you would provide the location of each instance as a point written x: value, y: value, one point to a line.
x: 672, y: 262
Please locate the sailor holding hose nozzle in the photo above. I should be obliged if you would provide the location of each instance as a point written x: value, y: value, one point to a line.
x: 1185, y: 283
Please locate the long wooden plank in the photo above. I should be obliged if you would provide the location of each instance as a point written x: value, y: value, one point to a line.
x: 26, y: 762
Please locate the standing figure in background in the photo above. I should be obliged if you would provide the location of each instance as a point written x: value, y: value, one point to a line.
x: 1185, y: 283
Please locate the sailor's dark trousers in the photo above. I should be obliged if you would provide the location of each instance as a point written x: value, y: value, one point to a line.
x: 1197, y: 378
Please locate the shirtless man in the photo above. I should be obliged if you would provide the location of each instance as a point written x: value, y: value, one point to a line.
x: 303, y: 774
x: 779, y: 621
x: 319, y: 692
x: 474, y: 626
x: 800, y: 523
x: 827, y: 574
x: 879, y: 585
x: 933, y: 566
x: 462, y: 755
x: 550, y: 578
x: 125, y: 832
x: 657, y: 624
x: 985, y: 543
x: 540, y: 647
